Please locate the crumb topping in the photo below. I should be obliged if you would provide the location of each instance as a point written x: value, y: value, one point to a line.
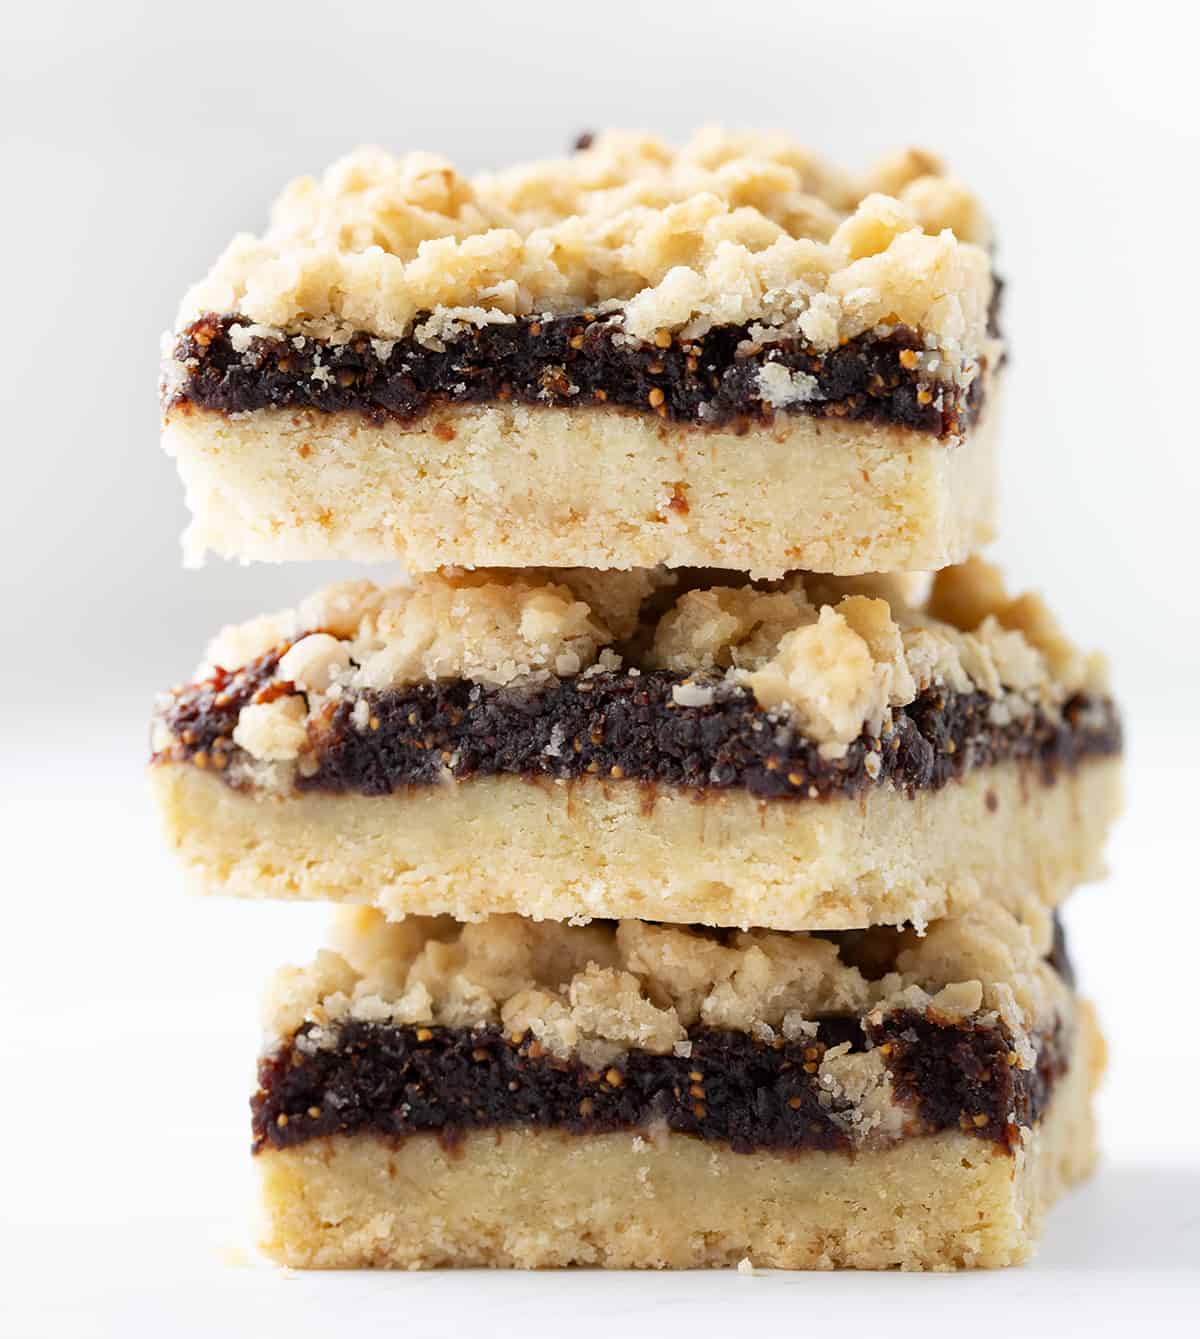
x: 829, y: 658
x: 607, y: 987
x: 728, y: 229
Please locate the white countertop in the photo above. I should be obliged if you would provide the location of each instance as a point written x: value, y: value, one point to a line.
x: 127, y: 1185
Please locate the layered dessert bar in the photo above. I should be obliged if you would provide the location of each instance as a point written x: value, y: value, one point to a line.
x: 638, y: 1095
x: 731, y: 354
x: 815, y: 753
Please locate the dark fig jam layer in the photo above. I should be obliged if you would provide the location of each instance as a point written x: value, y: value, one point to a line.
x: 732, y: 1088
x: 580, y: 360
x: 626, y: 726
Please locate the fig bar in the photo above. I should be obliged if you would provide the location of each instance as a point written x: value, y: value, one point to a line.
x: 816, y: 753
x: 731, y: 354
x: 636, y: 1095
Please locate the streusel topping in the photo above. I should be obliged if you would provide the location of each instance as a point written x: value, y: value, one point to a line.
x: 729, y: 229
x: 632, y: 984
x: 831, y: 657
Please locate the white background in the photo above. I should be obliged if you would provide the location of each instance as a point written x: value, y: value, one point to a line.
x: 137, y: 138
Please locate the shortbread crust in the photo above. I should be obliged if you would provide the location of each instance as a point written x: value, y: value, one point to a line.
x: 557, y: 850
x: 515, y: 485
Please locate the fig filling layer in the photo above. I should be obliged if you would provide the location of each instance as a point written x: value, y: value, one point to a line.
x: 583, y: 360
x: 626, y: 726
x: 393, y: 1081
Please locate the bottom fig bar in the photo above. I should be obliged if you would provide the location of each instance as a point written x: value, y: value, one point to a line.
x: 629, y: 1095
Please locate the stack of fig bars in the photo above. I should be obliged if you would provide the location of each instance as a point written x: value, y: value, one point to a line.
x: 697, y: 857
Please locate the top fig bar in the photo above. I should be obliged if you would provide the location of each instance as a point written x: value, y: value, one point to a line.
x: 730, y: 354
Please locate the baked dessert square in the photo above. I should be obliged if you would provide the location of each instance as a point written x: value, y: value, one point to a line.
x: 729, y: 354
x: 816, y: 753
x: 630, y: 1095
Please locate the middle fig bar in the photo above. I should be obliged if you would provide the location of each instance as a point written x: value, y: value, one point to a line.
x: 815, y: 753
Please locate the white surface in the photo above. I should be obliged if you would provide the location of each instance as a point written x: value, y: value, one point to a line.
x: 127, y: 1190
x: 137, y: 139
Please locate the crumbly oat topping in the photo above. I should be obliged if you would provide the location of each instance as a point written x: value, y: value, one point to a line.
x: 727, y: 229
x: 606, y: 987
x: 831, y: 658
